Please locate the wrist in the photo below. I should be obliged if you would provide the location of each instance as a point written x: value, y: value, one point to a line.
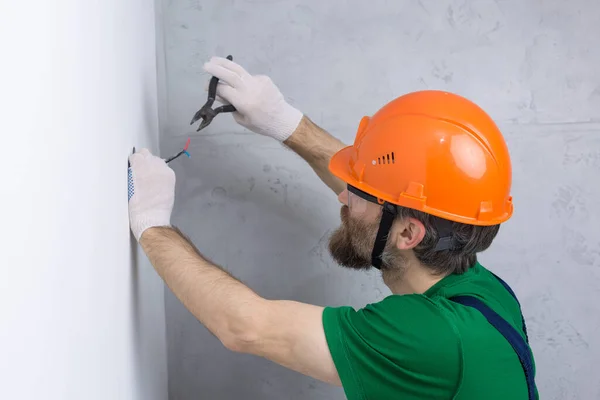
x: 151, y: 231
x: 303, y: 135
x: 141, y: 224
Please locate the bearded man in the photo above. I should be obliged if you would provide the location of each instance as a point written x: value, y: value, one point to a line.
x: 424, y: 188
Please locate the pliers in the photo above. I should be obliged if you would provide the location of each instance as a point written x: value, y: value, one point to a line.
x: 206, y: 112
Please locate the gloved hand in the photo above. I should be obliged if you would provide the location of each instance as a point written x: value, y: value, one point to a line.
x: 151, y: 192
x: 260, y: 105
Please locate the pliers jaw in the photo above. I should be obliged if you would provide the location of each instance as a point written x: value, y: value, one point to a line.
x: 204, y: 124
x: 206, y: 112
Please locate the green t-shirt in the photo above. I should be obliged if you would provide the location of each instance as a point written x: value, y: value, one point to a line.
x: 424, y: 346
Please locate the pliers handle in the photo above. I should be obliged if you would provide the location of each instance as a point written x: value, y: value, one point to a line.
x: 206, y: 112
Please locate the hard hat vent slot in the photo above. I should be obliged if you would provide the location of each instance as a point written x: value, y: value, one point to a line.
x: 387, y: 159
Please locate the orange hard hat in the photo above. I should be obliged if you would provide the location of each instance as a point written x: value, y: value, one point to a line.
x: 435, y: 152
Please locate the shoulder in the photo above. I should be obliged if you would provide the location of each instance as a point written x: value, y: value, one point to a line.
x: 406, y: 339
x: 409, y: 321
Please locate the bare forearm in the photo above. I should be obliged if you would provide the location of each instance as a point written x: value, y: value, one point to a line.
x: 220, y: 302
x: 286, y: 332
x: 317, y: 147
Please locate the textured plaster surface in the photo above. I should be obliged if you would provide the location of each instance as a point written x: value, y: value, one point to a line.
x: 254, y: 207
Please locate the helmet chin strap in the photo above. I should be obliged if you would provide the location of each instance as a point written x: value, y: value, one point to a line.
x: 387, y: 219
x: 443, y: 227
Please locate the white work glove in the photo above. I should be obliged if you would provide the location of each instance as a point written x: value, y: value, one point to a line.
x: 151, y: 192
x: 260, y: 105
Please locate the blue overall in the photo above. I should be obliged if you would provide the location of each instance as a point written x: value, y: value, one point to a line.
x: 520, y: 346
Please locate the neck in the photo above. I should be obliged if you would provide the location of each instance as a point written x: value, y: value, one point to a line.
x: 410, y: 278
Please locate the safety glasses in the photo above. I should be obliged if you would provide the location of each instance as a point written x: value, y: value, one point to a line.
x: 360, y: 202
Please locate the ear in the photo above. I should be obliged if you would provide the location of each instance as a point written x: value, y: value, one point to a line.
x: 408, y: 233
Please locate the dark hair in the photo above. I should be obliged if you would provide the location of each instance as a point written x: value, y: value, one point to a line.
x: 467, y: 240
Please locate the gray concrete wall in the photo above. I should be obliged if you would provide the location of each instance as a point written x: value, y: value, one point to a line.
x: 256, y: 208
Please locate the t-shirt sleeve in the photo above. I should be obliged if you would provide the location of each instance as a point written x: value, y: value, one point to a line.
x: 402, y: 347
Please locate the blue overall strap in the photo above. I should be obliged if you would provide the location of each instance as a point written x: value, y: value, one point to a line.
x: 510, y: 334
x: 508, y: 288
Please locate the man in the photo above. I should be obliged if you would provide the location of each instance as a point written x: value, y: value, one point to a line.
x: 424, y: 189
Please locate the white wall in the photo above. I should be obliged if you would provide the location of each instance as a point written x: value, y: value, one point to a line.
x: 81, y: 310
x: 533, y: 65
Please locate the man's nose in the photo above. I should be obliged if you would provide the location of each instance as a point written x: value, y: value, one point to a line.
x: 343, y: 197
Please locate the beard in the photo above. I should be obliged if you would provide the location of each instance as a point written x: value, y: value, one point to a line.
x: 352, y: 243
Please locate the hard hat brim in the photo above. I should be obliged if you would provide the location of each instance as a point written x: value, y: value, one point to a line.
x: 339, y: 166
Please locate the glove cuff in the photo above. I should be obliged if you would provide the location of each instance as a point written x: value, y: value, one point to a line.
x: 286, y: 124
x: 139, y: 223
